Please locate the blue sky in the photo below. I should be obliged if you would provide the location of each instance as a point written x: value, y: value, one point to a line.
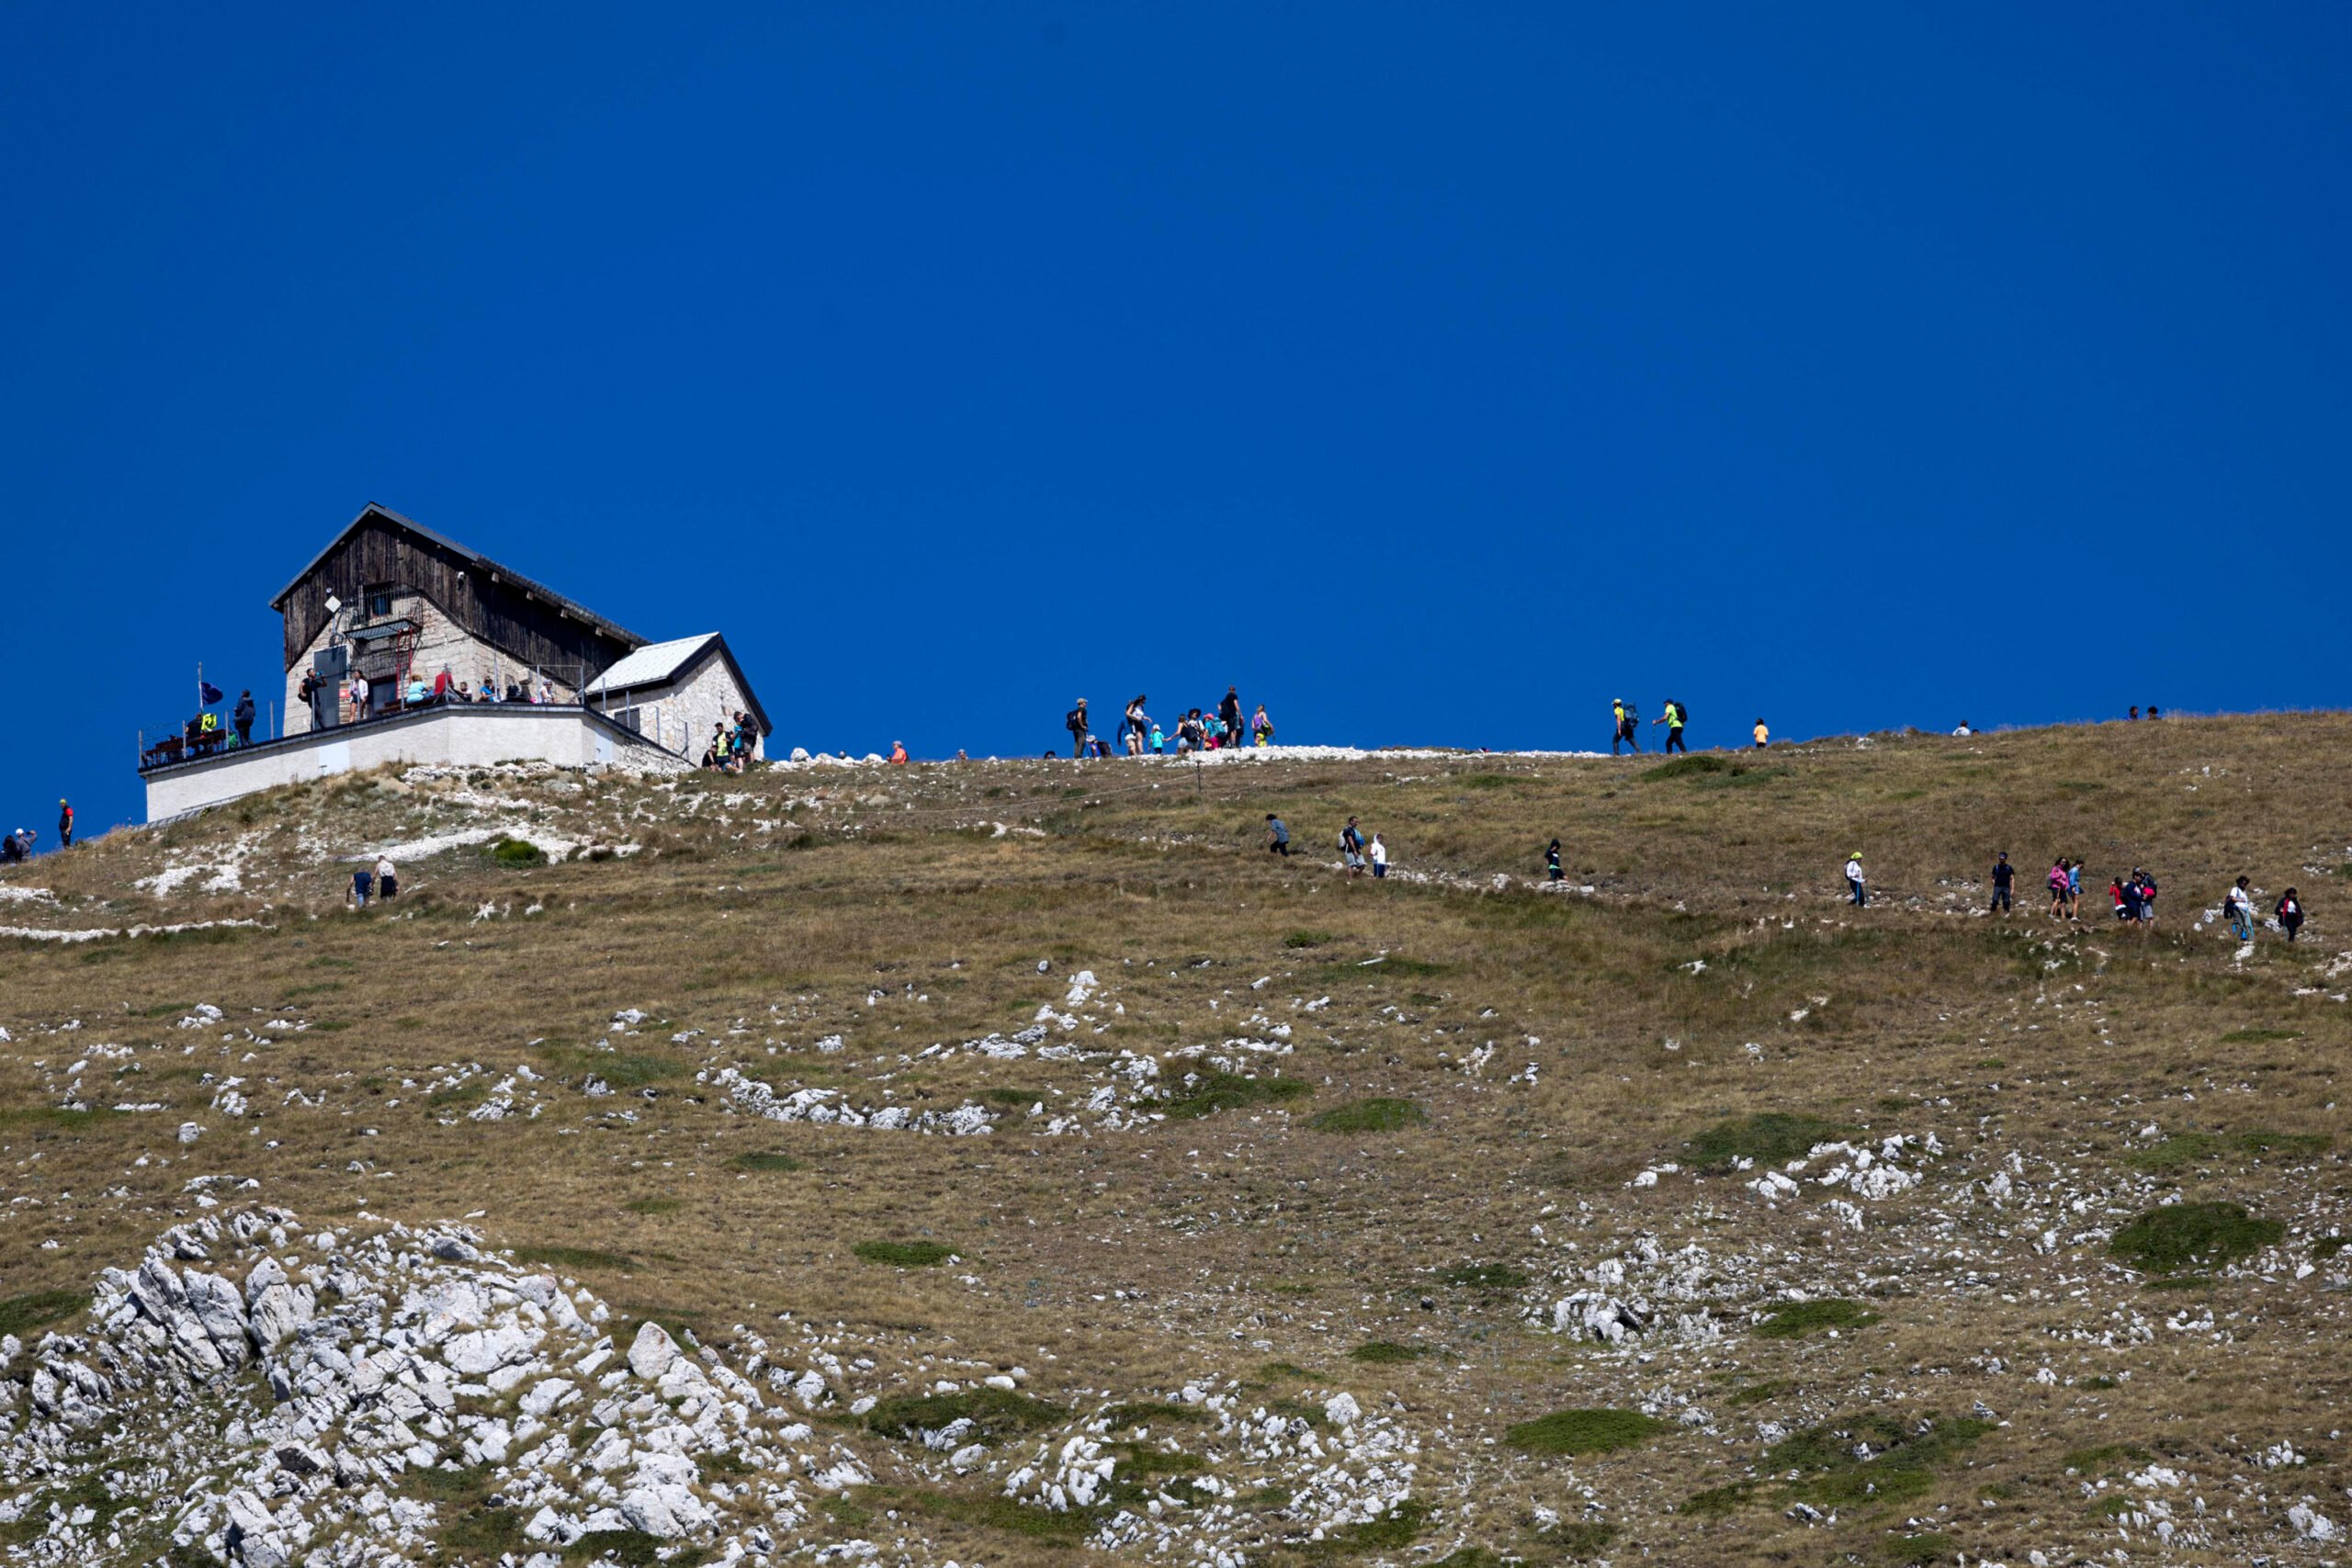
x: 1434, y: 375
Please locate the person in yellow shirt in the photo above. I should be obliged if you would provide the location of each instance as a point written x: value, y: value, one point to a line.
x: 1763, y: 736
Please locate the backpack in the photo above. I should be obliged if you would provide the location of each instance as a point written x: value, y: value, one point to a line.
x: 1074, y: 721
x: 1681, y: 715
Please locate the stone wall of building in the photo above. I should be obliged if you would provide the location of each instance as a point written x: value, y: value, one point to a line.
x: 441, y: 644
x: 683, y: 715
x: 461, y: 737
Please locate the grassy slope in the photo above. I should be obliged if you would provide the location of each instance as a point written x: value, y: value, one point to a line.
x: 887, y: 910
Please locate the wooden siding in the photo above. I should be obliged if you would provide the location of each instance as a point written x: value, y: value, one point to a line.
x: 526, y: 629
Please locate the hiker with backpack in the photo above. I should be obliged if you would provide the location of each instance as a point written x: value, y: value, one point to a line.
x: 1352, y: 848
x: 1075, y: 722
x: 1261, y: 728
x: 1137, y: 722
x: 1628, y: 718
x: 2074, y: 888
x: 1674, y: 718
x: 2239, y: 904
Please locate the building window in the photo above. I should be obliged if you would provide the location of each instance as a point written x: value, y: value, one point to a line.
x: 379, y: 603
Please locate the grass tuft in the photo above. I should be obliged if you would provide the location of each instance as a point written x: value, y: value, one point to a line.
x: 1583, y: 1432
x: 1484, y: 1277
x: 1386, y: 1352
x: 1213, y: 1092
x: 578, y: 1257
x: 1799, y: 1319
x: 993, y: 1412
x: 766, y: 1160
x: 21, y: 1315
x: 1768, y: 1137
x: 2169, y: 1239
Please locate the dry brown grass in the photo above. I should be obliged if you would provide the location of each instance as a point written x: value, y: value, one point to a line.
x: 1247, y: 1238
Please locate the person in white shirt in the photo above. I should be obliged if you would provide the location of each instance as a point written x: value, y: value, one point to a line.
x: 2240, y: 905
x: 1379, y: 857
x: 1963, y: 728
x: 358, y: 696
x: 387, y: 882
x: 1854, y: 879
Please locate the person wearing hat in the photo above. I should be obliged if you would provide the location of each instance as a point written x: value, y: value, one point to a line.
x: 898, y: 753
x: 65, y: 825
x: 1075, y: 722
x: 1854, y: 879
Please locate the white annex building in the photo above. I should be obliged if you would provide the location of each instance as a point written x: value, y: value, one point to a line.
x: 402, y: 645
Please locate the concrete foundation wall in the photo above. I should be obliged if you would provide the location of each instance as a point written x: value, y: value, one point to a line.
x: 461, y: 737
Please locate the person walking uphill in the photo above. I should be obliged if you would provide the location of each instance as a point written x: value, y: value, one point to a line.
x: 2004, y: 874
x: 65, y: 825
x: 1379, y: 857
x: 1352, y: 848
x: 2290, y: 913
x: 1673, y: 719
x: 1229, y: 711
x: 1854, y: 879
x: 1277, y: 835
x: 1075, y: 722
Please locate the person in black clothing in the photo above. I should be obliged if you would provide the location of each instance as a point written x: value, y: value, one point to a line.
x: 1552, y: 861
x: 1229, y: 710
x: 244, y: 718
x: 2290, y: 913
x: 2004, y: 873
x: 1075, y: 722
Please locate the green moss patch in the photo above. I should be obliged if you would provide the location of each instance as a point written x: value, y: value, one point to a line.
x: 2169, y: 1239
x: 1152, y: 1413
x: 1213, y: 1092
x: 517, y: 851
x: 993, y: 1412
x: 1799, y: 1319
x: 766, y: 1160
x: 1768, y: 1137
x: 1369, y: 1116
x: 1583, y: 1432
x: 2185, y: 1149
x: 905, y: 1254
x: 1871, y: 1458
x: 22, y: 1314
x: 1386, y: 1352
x: 1484, y: 1277
x: 575, y: 1258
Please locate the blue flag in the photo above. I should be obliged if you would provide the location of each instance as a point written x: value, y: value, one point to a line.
x: 207, y: 694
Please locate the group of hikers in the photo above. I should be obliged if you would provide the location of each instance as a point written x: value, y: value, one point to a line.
x: 1675, y: 715
x: 2133, y: 896
x: 19, y: 845
x: 731, y: 747
x: 381, y: 881
x: 1217, y: 728
x: 1355, y: 851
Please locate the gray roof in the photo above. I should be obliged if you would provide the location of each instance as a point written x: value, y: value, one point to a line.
x: 372, y: 512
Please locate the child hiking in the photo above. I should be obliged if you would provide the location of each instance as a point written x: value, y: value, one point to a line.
x: 1854, y: 880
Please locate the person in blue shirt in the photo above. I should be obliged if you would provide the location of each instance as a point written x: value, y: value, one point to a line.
x: 1277, y: 835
